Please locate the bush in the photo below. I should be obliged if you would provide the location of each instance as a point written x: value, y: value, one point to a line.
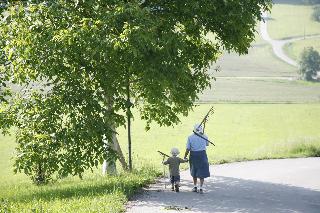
x: 309, y: 64
x: 316, y: 14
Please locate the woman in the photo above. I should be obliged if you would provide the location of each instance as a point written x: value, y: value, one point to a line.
x: 199, y: 166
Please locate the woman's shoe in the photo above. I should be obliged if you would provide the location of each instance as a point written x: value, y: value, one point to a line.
x: 195, y: 189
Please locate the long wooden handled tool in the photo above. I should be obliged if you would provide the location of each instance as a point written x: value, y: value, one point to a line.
x: 163, y: 154
x: 205, y: 119
x: 199, y: 135
x: 203, y: 123
x: 164, y: 168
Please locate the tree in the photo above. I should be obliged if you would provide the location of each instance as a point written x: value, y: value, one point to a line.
x: 75, y: 61
x: 309, y: 63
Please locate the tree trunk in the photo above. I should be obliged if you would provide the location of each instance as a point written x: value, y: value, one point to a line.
x: 109, y: 167
x: 117, y: 148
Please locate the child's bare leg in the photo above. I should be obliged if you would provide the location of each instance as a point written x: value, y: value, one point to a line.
x: 177, y: 186
x: 172, y: 182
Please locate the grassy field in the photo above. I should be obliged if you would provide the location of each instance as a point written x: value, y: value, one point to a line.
x: 291, y: 20
x: 240, y: 132
x: 295, y: 49
x: 262, y: 90
x: 259, y: 62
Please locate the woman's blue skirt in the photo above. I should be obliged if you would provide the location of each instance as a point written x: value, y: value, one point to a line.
x: 199, y: 165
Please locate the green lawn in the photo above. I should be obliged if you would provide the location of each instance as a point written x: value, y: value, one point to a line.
x: 240, y: 131
x: 295, y: 49
x: 291, y: 20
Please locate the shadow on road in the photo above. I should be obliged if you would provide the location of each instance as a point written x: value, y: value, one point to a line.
x: 225, y: 194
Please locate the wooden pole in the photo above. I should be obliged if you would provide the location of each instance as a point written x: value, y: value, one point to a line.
x: 129, y: 122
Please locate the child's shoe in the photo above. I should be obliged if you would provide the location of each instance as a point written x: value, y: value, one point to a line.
x: 172, y: 188
x: 177, y: 187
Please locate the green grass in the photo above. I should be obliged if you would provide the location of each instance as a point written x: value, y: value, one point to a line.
x: 292, y: 20
x: 259, y: 62
x: 240, y: 132
x: 295, y: 49
x: 94, y: 193
x: 299, y: 147
x: 262, y: 90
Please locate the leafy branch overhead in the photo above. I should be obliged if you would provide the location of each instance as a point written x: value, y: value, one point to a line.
x: 73, y: 59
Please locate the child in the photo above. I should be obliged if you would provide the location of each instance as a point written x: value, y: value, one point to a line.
x: 174, y: 163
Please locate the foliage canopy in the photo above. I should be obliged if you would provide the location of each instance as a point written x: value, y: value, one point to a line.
x: 66, y: 66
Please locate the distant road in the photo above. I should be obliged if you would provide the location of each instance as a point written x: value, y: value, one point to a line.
x: 277, y: 45
x: 286, y: 185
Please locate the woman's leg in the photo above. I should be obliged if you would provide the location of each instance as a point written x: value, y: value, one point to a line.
x: 195, y: 184
x: 195, y: 180
x: 201, y: 182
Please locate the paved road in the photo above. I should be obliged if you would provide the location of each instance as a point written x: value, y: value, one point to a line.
x: 277, y: 45
x: 287, y: 185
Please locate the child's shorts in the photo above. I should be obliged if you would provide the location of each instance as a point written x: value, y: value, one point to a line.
x: 174, y: 179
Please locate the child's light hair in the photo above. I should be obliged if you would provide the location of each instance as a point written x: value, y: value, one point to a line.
x: 175, y: 151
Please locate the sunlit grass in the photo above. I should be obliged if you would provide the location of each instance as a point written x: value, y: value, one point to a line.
x: 238, y: 130
x: 290, y: 20
x: 299, y: 147
x: 94, y: 193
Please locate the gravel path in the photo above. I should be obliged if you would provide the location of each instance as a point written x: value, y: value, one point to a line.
x: 286, y: 185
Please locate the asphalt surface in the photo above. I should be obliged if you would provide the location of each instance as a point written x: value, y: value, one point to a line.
x: 286, y: 185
